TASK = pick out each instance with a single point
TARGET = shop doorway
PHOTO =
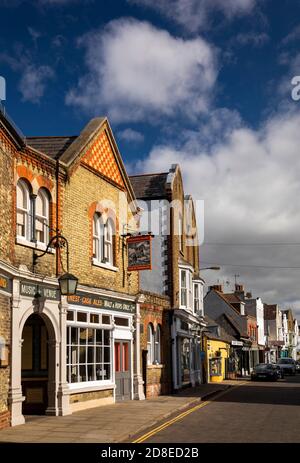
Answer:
(122, 370)
(35, 359)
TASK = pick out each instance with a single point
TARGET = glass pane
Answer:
(74, 354)
(183, 279)
(107, 354)
(106, 372)
(74, 335)
(125, 356)
(106, 338)
(90, 336)
(82, 336)
(90, 355)
(90, 370)
(99, 337)
(70, 315)
(94, 318)
(82, 354)
(81, 316)
(121, 321)
(99, 354)
(98, 372)
(74, 374)
(106, 319)
(82, 373)
(117, 357)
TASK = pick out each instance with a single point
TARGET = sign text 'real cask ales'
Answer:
(101, 302)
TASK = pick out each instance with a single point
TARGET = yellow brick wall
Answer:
(83, 189)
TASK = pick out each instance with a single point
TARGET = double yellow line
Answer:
(181, 416)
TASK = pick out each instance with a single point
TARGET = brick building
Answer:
(65, 354)
(170, 216)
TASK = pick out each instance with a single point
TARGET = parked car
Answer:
(288, 365)
(297, 366)
(265, 371)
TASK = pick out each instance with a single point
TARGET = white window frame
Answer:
(108, 242)
(157, 342)
(150, 344)
(44, 219)
(199, 286)
(92, 326)
(103, 248)
(25, 211)
(188, 289)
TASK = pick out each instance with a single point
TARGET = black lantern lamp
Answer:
(67, 284)
(67, 281)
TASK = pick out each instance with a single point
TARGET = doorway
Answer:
(122, 370)
(35, 366)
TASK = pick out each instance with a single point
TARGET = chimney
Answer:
(216, 288)
(240, 291)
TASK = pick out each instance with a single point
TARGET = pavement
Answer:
(110, 423)
(255, 412)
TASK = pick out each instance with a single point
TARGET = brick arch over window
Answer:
(107, 213)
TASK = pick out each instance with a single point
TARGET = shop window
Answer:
(88, 354)
(106, 319)
(82, 317)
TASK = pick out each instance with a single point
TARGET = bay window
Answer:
(198, 298)
(185, 288)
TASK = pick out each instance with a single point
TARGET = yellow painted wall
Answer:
(211, 348)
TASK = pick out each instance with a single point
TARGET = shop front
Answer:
(186, 349)
(69, 354)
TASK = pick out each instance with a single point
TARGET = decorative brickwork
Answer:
(100, 157)
(157, 377)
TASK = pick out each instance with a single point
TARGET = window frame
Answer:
(102, 241)
(150, 344)
(45, 219)
(26, 212)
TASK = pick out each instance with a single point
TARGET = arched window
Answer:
(108, 242)
(23, 210)
(150, 344)
(103, 240)
(98, 238)
(42, 216)
(158, 345)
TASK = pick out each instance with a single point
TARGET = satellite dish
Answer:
(2, 89)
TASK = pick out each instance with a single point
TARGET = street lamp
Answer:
(67, 282)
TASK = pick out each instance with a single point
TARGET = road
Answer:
(253, 412)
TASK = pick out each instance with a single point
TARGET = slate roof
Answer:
(149, 185)
(224, 336)
(54, 147)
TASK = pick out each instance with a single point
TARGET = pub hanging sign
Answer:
(139, 252)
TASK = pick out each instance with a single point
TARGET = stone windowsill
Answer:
(104, 266)
(30, 244)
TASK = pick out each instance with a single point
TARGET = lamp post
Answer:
(67, 281)
(211, 268)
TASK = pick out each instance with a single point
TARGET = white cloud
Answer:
(292, 36)
(136, 71)
(195, 14)
(33, 82)
(257, 39)
(251, 187)
(131, 136)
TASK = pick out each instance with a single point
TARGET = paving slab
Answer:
(109, 423)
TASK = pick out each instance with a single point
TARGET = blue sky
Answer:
(205, 83)
(44, 34)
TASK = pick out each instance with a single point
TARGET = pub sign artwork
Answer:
(139, 252)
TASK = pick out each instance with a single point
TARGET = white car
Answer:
(287, 365)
